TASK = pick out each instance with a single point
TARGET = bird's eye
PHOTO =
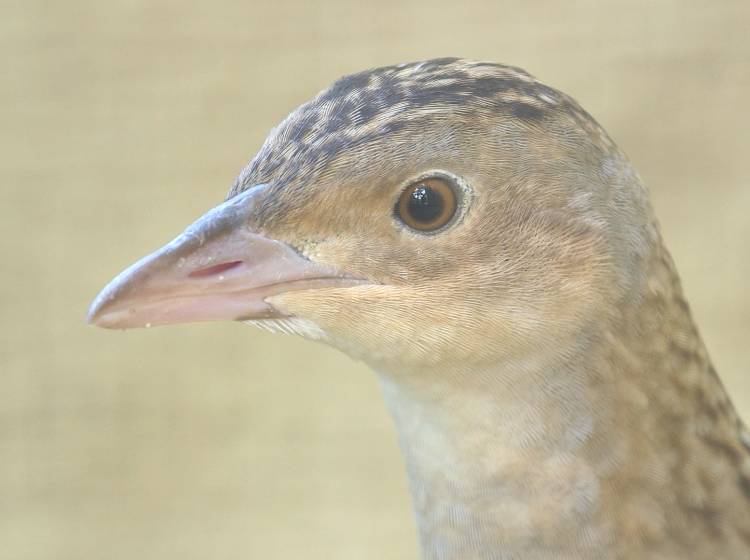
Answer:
(427, 205)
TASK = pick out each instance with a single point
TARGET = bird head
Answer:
(439, 212)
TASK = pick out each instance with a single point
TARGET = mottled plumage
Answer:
(552, 395)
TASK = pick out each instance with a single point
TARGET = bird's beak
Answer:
(218, 269)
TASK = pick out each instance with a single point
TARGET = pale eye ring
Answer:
(427, 204)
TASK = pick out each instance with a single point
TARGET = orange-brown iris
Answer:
(427, 205)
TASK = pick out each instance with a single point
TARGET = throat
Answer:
(499, 467)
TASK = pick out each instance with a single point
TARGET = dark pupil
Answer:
(425, 204)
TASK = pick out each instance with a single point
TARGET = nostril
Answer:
(215, 269)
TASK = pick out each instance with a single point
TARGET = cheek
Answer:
(355, 320)
(375, 257)
(393, 328)
(390, 256)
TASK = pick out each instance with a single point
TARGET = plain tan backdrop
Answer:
(121, 122)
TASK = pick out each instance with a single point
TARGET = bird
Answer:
(480, 241)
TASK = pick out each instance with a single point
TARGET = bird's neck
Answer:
(629, 439)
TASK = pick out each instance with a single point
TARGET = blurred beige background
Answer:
(123, 121)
